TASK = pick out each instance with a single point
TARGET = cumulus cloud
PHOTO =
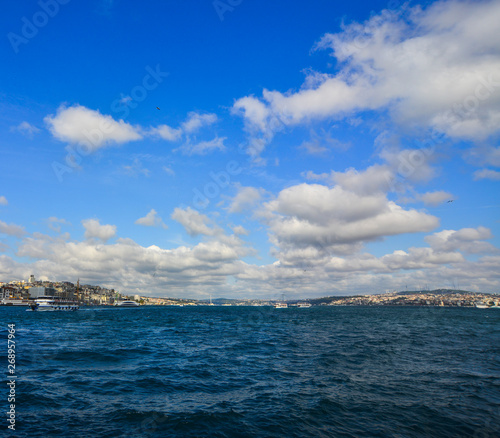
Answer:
(3, 200)
(94, 230)
(194, 222)
(130, 267)
(402, 168)
(166, 132)
(196, 121)
(80, 125)
(12, 229)
(468, 240)
(435, 67)
(89, 128)
(337, 219)
(246, 198)
(375, 179)
(205, 268)
(152, 219)
(419, 258)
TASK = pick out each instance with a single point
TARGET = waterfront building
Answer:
(41, 291)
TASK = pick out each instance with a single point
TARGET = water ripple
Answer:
(246, 372)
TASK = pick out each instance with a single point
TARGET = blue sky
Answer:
(306, 149)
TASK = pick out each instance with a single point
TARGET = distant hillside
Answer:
(331, 299)
(436, 292)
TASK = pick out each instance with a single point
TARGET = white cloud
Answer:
(130, 267)
(468, 240)
(203, 147)
(194, 222)
(254, 111)
(205, 268)
(89, 128)
(3, 200)
(26, 129)
(246, 198)
(12, 229)
(196, 121)
(93, 229)
(435, 67)
(401, 170)
(375, 179)
(493, 175)
(92, 130)
(151, 220)
(419, 258)
(435, 198)
(338, 220)
(166, 132)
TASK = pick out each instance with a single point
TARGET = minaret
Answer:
(78, 292)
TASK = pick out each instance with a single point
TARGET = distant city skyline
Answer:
(248, 149)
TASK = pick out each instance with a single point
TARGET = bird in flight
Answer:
(158, 108)
(451, 200)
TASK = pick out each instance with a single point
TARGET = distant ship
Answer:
(14, 302)
(127, 303)
(281, 304)
(303, 305)
(486, 306)
(48, 303)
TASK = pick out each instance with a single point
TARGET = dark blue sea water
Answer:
(255, 372)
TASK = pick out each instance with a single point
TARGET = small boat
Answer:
(281, 304)
(127, 303)
(47, 303)
(481, 305)
(303, 305)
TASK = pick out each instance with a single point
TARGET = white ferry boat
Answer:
(127, 303)
(303, 305)
(281, 306)
(15, 302)
(481, 305)
(47, 303)
(487, 306)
